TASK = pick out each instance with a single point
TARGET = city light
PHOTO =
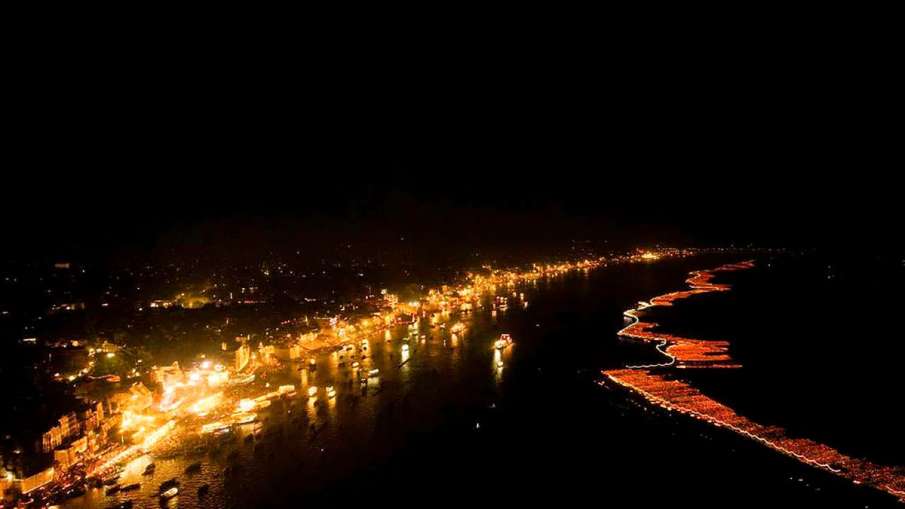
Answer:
(246, 405)
(215, 397)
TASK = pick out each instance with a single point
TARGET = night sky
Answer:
(775, 142)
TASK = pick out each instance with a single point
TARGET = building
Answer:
(27, 484)
(267, 355)
(64, 457)
(69, 426)
(169, 375)
(243, 356)
(136, 400)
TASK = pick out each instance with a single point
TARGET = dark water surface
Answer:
(821, 346)
(450, 426)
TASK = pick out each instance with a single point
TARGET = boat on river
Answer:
(170, 493)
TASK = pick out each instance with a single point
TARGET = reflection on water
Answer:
(340, 401)
(383, 388)
(497, 365)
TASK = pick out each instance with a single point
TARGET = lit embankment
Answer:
(657, 384)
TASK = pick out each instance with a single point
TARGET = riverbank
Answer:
(660, 386)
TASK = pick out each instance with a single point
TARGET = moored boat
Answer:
(504, 341)
(168, 484)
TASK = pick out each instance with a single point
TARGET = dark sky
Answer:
(685, 138)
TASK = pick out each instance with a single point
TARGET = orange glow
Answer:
(654, 383)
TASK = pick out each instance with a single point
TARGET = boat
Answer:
(112, 490)
(76, 491)
(193, 468)
(111, 481)
(170, 493)
(71, 493)
(149, 470)
(203, 490)
(168, 484)
(131, 487)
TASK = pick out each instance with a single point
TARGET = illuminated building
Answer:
(66, 456)
(243, 356)
(267, 354)
(27, 484)
(161, 304)
(169, 375)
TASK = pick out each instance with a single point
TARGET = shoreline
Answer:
(654, 383)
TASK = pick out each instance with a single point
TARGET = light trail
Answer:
(654, 383)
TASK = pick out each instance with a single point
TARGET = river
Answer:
(454, 419)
